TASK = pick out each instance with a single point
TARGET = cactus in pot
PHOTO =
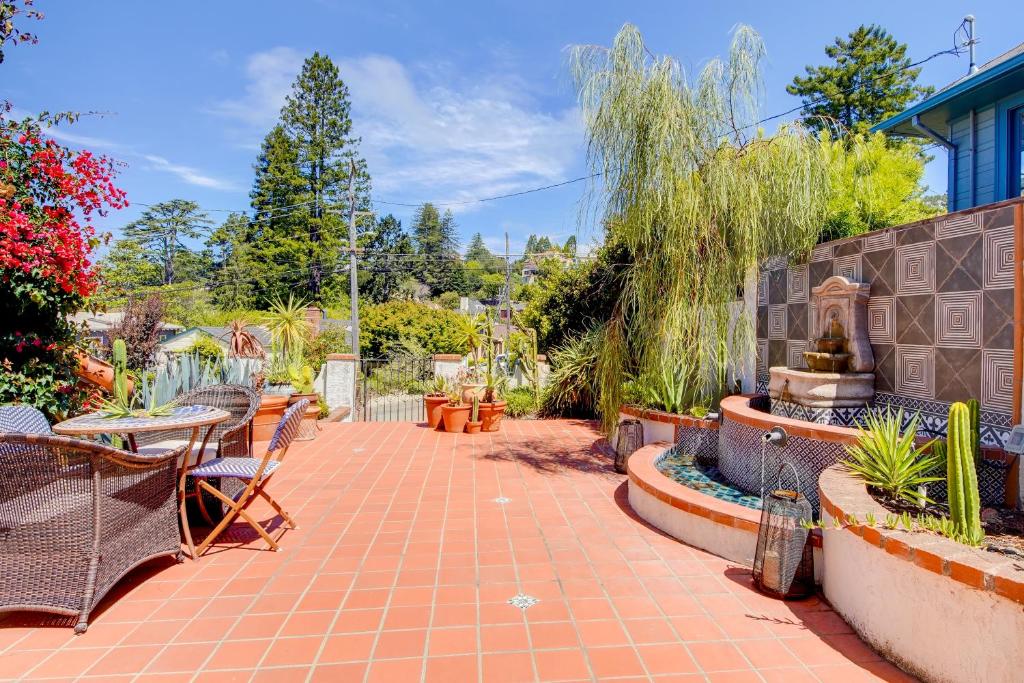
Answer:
(119, 359)
(961, 476)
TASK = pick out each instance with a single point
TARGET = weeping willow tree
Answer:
(699, 195)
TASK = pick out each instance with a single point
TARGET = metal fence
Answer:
(391, 389)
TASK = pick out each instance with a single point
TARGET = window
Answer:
(1016, 186)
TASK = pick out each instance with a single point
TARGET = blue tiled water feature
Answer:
(682, 468)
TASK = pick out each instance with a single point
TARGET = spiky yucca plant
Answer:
(886, 458)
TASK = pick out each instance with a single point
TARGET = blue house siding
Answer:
(971, 118)
(973, 169)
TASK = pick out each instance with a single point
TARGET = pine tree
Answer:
(437, 243)
(868, 80)
(300, 194)
(381, 277)
(232, 283)
(569, 248)
(161, 229)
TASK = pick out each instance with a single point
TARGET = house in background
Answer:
(979, 120)
(97, 326)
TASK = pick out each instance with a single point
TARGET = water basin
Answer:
(707, 479)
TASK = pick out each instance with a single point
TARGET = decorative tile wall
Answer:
(797, 466)
(940, 316)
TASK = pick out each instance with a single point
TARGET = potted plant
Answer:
(491, 407)
(455, 414)
(474, 424)
(434, 400)
(470, 383)
(302, 387)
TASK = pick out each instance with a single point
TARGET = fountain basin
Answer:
(821, 389)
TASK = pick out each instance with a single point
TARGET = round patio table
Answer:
(181, 417)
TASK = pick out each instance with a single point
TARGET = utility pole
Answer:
(353, 280)
(508, 292)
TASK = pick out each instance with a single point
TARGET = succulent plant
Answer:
(962, 478)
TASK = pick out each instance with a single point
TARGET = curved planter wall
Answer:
(941, 610)
(811, 449)
(660, 426)
(725, 529)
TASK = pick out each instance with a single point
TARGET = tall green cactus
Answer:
(961, 477)
(974, 408)
(119, 359)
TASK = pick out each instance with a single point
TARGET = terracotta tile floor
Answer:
(402, 567)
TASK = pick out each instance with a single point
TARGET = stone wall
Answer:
(940, 316)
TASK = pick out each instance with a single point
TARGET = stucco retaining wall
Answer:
(938, 609)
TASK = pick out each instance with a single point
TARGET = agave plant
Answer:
(886, 458)
(288, 326)
(243, 343)
(670, 390)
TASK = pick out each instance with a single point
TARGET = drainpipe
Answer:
(916, 124)
(970, 157)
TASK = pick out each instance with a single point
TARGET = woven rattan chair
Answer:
(233, 437)
(24, 420)
(255, 474)
(76, 516)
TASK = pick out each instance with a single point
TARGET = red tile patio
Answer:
(402, 566)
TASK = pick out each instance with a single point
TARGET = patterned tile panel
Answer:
(915, 268)
(958, 319)
(998, 259)
(822, 252)
(879, 241)
(797, 289)
(795, 353)
(762, 288)
(915, 371)
(848, 266)
(954, 226)
(777, 322)
(882, 320)
(997, 379)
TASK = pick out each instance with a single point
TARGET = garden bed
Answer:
(661, 426)
(921, 599)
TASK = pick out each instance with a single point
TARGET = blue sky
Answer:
(453, 100)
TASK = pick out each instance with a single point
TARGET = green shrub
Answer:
(449, 301)
(521, 402)
(886, 458)
(389, 326)
(570, 391)
(330, 340)
(207, 348)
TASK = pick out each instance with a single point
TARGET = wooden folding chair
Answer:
(255, 474)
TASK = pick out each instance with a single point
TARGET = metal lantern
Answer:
(784, 563)
(628, 438)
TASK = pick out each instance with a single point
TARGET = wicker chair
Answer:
(76, 516)
(24, 420)
(231, 438)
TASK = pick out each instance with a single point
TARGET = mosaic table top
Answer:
(181, 417)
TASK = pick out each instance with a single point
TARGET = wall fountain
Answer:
(838, 385)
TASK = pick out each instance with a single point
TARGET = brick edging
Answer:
(341, 356)
(667, 418)
(447, 357)
(842, 495)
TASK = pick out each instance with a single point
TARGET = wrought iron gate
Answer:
(391, 389)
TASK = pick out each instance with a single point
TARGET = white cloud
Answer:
(436, 141)
(188, 174)
(428, 138)
(269, 75)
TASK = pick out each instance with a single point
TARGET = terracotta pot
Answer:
(268, 415)
(308, 427)
(473, 427)
(491, 414)
(471, 390)
(455, 418)
(433, 405)
(98, 372)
